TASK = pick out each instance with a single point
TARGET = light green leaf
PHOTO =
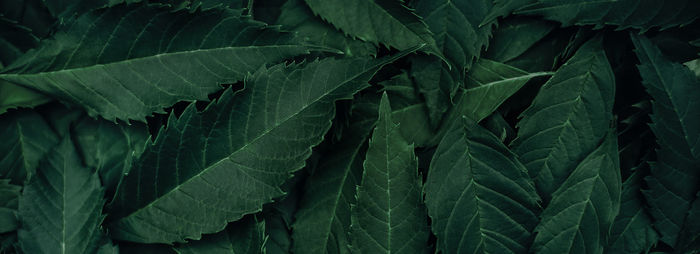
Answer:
(110, 148)
(323, 218)
(385, 22)
(568, 118)
(489, 84)
(244, 236)
(641, 14)
(14, 96)
(61, 207)
(172, 56)
(479, 197)
(26, 139)
(673, 183)
(296, 16)
(582, 210)
(632, 231)
(230, 159)
(389, 216)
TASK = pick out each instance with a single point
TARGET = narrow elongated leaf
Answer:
(61, 206)
(516, 35)
(642, 14)
(323, 219)
(489, 84)
(632, 231)
(26, 139)
(296, 16)
(172, 56)
(673, 183)
(568, 118)
(110, 148)
(389, 216)
(230, 159)
(380, 22)
(244, 236)
(479, 197)
(582, 210)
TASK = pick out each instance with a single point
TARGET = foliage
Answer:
(358, 126)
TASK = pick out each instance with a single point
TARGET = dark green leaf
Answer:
(230, 159)
(172, 56)
(389, 216)
(478, 194)
(632, 231)
(61, 207)
(579, 217)
(673, 183)
(244, 236)
(568, 119)
(26, 139)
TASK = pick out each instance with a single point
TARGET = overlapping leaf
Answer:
(582, 210)
(380, 22)
(389, 216)
(296, 16)
(244, 236)
(230, 159)
(9, 194)
(323, 218)
(61, 206)
(632, 231)
(673, 183)
(479, 196)
(568, 119)
(100, 62)
(642, 14)
(27, 137)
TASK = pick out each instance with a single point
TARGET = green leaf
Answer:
(516, 35)
(479, 197)
(61, 207)
(172, 56)
(673, 183)
(296, 16)
(244, 236)
(457, 28)
(489, 84)
(407, 108)
(9, 194)
(641, 14)
(502, 8)
(582, 210)
(14, 41)
(568, 118)
(14, 96)
(632, 231)
(26, 139)
(323, 218)
(389, 216)
(110, 148)
(436, 83)
(230, 159)
(380, 22)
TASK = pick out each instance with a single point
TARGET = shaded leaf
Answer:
(14, 96)
(641, 14)
(26, 139)
(582, 210)
(244, 236)
(61, 207)
(9, 194)
(567, 119)
(296, 16)
(673, 183)
(516, 35)
(389, 216)
(479, 197)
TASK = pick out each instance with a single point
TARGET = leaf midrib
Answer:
(242, 148)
